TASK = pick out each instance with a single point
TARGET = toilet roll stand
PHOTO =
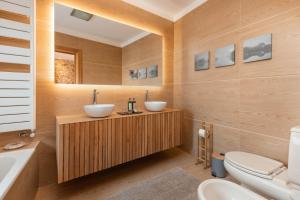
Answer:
(205, 145)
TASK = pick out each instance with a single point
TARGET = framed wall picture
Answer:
(259, 48)
(153, 71)
(225, 56)
(134, 74)
(143, 73)
(201, 61)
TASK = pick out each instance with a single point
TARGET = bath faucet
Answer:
(95, 96)
(146, 95)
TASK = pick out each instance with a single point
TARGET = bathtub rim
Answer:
(12, 175)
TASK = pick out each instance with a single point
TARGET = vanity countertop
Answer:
(68, 119)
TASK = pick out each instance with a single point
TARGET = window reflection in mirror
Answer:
(94, 50)
(68, 65)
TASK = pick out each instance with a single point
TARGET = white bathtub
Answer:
(11, 165)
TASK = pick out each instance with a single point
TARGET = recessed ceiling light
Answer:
(81, 15)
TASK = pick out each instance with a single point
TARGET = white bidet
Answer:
(217, 189)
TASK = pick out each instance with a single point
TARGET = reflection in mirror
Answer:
(90, 49)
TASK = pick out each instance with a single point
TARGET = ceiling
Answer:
(97, 29)
(168, 9)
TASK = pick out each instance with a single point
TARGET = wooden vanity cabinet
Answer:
(88, 145)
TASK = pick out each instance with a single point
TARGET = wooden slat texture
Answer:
(14, 17)
(60, 154)
(81, 149)
(104, 144)
(72, 152)
(66, 153)
(88, 147)
(11, 67)
(100, 147)
(77, 151)
(91, 146)
(96, 146)
(14, 42)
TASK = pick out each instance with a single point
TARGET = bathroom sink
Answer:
(99, 110)
(155, 105)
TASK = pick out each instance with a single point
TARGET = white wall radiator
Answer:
(17, 65)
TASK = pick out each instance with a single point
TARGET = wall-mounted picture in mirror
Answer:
(153, 71)
(143, 73)
(259, 48)
(225, 56)
(201, 61)
(104, 51)
(134, 74)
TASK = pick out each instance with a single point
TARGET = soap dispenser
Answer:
(130, 106)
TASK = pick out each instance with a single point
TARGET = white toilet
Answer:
(268, 176)
(217, 189)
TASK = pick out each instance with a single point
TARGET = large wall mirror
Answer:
(91, 49)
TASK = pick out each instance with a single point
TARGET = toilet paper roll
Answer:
(202, 132)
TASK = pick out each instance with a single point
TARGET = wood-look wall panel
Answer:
(9, 67)
(4, 14)
(81, 149)
(124, 139)
(143, 53)
(60, 151)
(66, 152)
(104, 147)
(14, 42)
(91, 146)
(77, 151)
(96, 147)
(102, 63)
(149, 135)
(118, 142)
(72, 151)
(109, 143)
(113, 143)
(258, 98)
(86, 148)
(100, 145)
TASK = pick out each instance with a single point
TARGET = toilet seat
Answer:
(254, 164)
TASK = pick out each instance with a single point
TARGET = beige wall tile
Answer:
(272, 147)
(270, 106)
(247, 103)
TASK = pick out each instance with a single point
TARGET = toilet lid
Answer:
(254, 163)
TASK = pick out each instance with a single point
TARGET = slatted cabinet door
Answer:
(88, 147)
(17, 54)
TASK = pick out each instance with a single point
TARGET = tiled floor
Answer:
(103, 184)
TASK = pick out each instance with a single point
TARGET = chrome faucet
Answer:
(146, 95)
(95, 96)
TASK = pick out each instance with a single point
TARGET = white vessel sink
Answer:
(155, 106)
(99, 110)
(217, 189)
